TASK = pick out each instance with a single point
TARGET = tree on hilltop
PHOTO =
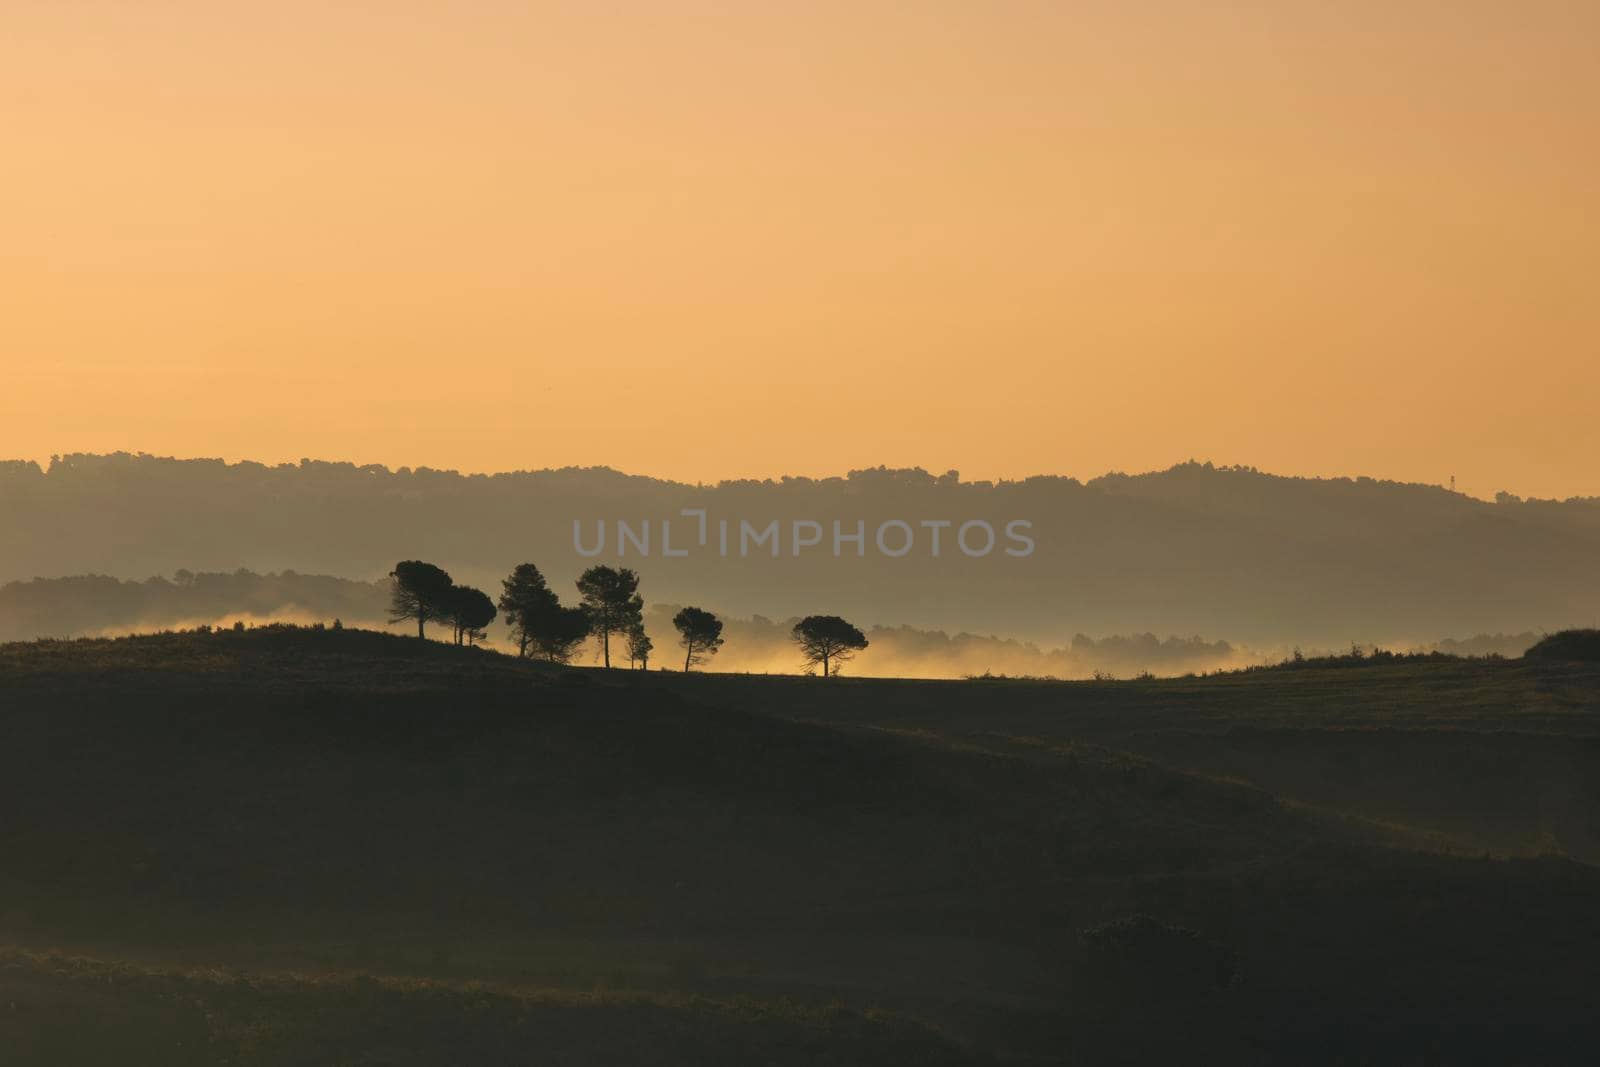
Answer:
(471, 611)
(827, 640)
(611, 597)
(700, 633)
(639, 646)
(541, 625)
(560, 633)
(419, 591)
(528, 603)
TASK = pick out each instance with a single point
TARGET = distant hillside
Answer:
(1194, 549)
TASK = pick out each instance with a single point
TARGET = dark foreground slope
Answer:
(338, 803)
(1499, 755)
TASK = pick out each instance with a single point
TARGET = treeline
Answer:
(609, 605)
(1483, 647)
(1358, 657)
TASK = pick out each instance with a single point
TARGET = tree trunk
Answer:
(605, 646)
(688, 654)
(419, 627)
(824, 665)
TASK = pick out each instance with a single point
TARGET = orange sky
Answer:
(748, 238)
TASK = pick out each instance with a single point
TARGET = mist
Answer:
(101, 606)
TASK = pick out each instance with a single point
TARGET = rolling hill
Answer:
(981, 870)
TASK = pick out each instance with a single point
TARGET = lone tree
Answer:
(828, 640)
(527, 602)
(701, 634)
(419, 591)
(611, 597)
(639, 646)
(471, 611)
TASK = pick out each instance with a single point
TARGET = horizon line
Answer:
(57, 458)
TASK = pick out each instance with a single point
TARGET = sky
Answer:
(709, 240)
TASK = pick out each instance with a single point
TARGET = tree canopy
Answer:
(639, 646)
(700, 633)
(541, 625)
(611, 597)
(421, 591)
(527, 602)
(471, 611)
(559, 634)
(827, 640)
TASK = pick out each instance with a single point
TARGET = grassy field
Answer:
(286, 846)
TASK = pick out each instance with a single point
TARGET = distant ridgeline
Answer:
(1196, 549)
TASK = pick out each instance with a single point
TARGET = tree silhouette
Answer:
(701, 634)
(611, 597)
(420, 591)
(471, 611)
(639, 646)
(828, 640)
(543, 628)
(559, 634)
(528, 604)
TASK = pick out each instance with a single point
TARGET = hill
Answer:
(281, 802)
(1226, 553)
(1501, 755)
(1568, 645)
